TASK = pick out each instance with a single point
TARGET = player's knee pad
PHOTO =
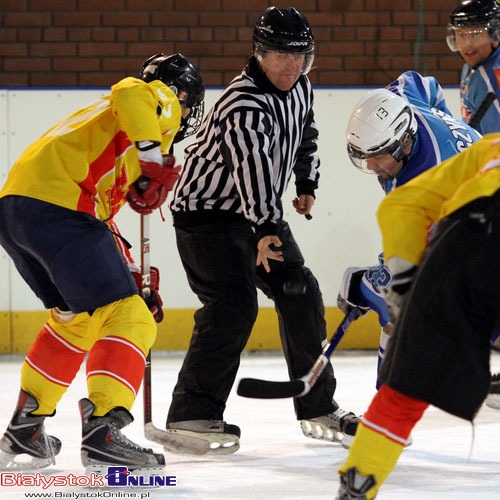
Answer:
(128, 318)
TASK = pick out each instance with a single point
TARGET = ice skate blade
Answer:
(215, 443)
(315, 430)
(186, 445)
(23, 462)
(493, 401)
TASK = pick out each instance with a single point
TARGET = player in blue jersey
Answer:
(397, 133)
(474, 32)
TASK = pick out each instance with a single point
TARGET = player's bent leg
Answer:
(115, 365)
(43, 375)
(380, 439)
(44, 380)
(25, 445)
(115, 369)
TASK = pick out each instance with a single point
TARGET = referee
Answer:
(228, 217)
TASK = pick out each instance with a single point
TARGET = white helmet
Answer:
(382, 123)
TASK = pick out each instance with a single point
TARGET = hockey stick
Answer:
(149, 428)
(476, 118)
(266, 389)
(183, 444)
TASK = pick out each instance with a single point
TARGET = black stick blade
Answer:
(266, 389)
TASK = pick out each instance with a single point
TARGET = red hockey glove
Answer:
(153, 301)
(151, 189)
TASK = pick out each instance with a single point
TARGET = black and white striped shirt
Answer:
(254, 138)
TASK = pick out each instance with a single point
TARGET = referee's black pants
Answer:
(219, 260)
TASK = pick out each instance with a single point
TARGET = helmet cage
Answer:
(179, 75)
(191, 123)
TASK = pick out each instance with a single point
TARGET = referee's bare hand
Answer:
(265, 252)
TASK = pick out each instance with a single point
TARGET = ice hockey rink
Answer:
(449, 459)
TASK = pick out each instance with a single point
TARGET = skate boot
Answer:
(24, 445)
(493, 397)
(103, 444)
(221, 438)
(336, 427)
(354, 486)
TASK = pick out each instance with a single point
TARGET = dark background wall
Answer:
(94, 43)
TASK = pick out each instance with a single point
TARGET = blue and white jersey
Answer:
(439, 134)
(475, 83)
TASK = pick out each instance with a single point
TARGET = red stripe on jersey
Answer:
(100, 167)
(118, 358)
(54, 358)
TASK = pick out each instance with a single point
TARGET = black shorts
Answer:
(69, 259)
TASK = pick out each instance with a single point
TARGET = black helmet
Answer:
(474, 13)
(284, 30)
(179, 74)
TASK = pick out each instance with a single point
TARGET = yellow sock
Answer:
(372, 453)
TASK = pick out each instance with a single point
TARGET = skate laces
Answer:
(122, 439)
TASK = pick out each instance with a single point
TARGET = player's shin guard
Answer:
(382, 435)
(51, 365)
(115, 365)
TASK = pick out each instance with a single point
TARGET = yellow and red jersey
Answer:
(406, 214)
(87, 161)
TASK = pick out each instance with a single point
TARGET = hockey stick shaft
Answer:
(476, 118)
(266, 389)
(145, 291)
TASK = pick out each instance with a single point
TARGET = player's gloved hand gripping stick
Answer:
(267, 389)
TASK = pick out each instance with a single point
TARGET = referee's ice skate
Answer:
(222, 438)
(338, 426)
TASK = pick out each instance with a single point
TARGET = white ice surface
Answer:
(448, 459)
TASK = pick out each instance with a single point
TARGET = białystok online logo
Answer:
(116, 476)
(121, 476)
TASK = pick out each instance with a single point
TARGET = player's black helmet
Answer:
(178, 73)
(284, 30)
(474, 13)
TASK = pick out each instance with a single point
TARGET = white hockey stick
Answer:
(267, 389)
(184, 444)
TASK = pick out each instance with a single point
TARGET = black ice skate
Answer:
(221, 438)
(493, 397)
(104, 445)
(338, 426)
(354, 486)
(25, 445)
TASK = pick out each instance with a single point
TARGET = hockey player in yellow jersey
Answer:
(56, 211)
(445, 222)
